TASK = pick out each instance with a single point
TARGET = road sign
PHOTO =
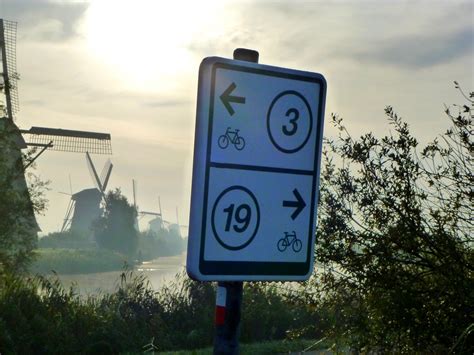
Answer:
(255, 183)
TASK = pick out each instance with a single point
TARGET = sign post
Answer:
(255, 182)
(229, 294)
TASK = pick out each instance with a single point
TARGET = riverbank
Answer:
(77, 261)
(92, 281)
(158, 273)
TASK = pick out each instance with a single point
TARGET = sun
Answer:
(146, 42)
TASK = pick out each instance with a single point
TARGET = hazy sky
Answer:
(130, 68)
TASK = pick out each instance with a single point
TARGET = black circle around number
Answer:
(277, 146)
(252, 196)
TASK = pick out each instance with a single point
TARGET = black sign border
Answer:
(253, 268)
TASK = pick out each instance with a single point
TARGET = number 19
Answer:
(242, 216)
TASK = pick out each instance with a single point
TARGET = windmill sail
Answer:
(66, 140)
(93, 172)
(105, 175)
(9, 73)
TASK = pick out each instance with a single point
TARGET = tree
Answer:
(395, 236)
(18, 200)
(115, 229)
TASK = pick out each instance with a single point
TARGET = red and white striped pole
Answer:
(221, 298)
(228, 313)
(229, 294)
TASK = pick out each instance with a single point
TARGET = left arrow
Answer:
(299, 204)
(227, 98)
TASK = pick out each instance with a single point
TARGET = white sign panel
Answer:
(256, 172)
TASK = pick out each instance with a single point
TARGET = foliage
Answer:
(18, 201)
(396, 236)
(115, 229)
(155, 244)
(272, 311)
(69, 239)
(37, 315)
(76, 261)
(265, 347)
(188, 306)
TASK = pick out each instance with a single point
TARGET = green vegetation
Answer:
(395, 266)
(37, 315)
(76, 261)
(152, 245)
(266, 347)
(115, 230)
(67, 239)
(396, 237)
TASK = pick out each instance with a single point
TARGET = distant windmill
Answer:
(158, 223)
(176, 227)
(84, 207)
(140, 214)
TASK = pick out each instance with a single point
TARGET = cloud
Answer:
(165, 103)
(43, 20)
(417, 51)
(399, 34)
(35, 102)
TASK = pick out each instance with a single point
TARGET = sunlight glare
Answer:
(147, 41)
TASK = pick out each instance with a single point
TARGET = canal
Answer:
(158, 272)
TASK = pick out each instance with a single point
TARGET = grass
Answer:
(266, 347)
(38, 315)
(76, 261)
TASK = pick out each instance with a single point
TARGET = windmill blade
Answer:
(105, 175)
(104, 171)
(9, 74)
(93, 172)
(70, 184)
(149, 213)
(134, 186)
(66, 140)
(67, 217)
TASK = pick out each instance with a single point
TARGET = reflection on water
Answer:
(158, 272)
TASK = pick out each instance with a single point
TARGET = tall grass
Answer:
(39, 315)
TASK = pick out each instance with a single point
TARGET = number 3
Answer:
(294, 125)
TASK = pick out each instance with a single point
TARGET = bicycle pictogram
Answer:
(232, 137)
(289, 239)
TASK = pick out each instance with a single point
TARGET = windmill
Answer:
(13, 138)
(58, 139)
(84, 207)
(176, 227)
(141, 214)
(159, 223)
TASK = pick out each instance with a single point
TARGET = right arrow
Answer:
(299, 204)
(227, 98)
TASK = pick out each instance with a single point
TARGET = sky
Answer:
(130, 68)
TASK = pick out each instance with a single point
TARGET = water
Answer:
(158, 272)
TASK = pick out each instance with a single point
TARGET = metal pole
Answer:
(229, 294)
